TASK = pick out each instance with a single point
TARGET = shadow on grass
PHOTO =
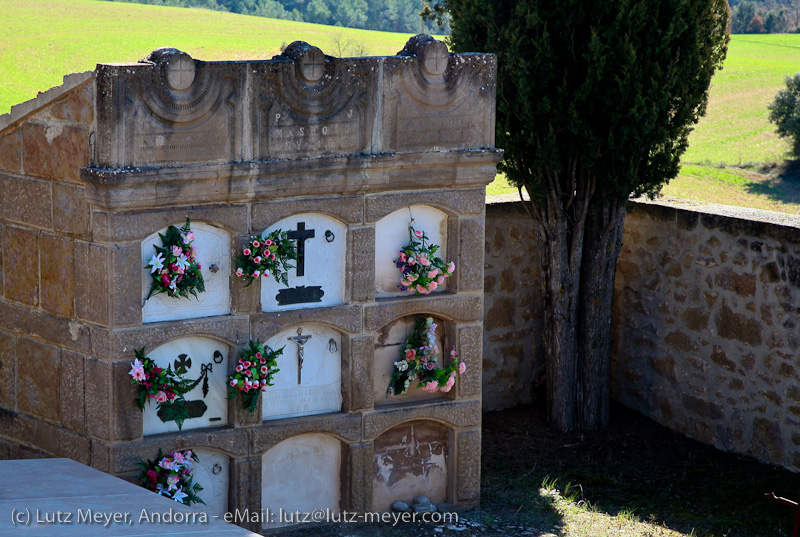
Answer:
(781, 182)
(635, 468)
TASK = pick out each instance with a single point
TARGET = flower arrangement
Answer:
(267, 255)
(419, 362)
(165, 386)
(422, 271)
(171, 476)
(174, 268)
(254, 373)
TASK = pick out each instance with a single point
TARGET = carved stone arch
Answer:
(391, 233)
(212, 244)
(409, 460)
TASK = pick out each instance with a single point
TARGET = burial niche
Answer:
(390, 340)
(211, 472)
(300, 475)
(212, 245)
(205, 362)
(410, 460)
(310, 376)
(318, 277)
(391, 234)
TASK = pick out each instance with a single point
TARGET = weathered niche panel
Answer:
(391, 234)
(205, 361)
(410, 460)
(389, 341)
(301, 474)
(213, 256)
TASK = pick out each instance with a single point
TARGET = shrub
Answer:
(784, 112)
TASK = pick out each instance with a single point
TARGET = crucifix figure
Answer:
(300, 235)
(300, 339)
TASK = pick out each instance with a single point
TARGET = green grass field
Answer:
(42, 40)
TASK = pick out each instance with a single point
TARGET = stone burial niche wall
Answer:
(341, 154)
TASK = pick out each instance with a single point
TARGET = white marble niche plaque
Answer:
(391, 234)
(211, 472)
(213, 255)
(301, 474)
(202, 357)
(318, 277)
(316, 388)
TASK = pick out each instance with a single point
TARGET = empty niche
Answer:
(206, 363)
(313, 388)
(211, 472)
(213, 256)
(410, 460)
(318, 277)
(389, 341)
(300, 475)
(391, 234)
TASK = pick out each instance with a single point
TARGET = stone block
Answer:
(361, 265)
(462, 308)
(235, 331)
(77, 106)
(98, 399)
(732, 325)
(125, 456)
(460, 202)
(11, 151)
(344, 318)
(468, 465)
(360, 394)
(92, 269)
(57, 269)
(348, 209)
(340, 425)
(126, 285)
(72, 391)
(71, 212)
(359, 474)
(470, 349)
(21, 265)
(38, 371)
(48, 327)
(136, 225)
(26, 200)
(54, 151)
(8, 371)
(456, 414)
(101, 456)
(74, 446)
(469, 267)
(245, 492)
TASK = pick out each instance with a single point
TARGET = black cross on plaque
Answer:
(300, 339)
(182, 364)
(300, 236)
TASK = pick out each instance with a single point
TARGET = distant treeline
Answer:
(765, 17)
(386, 15)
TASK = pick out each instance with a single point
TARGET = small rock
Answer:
(400, 507)
(444, 508)
(422, 500)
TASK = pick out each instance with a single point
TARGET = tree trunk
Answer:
(580, 236)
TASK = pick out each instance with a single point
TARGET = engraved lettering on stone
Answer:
(300, 339)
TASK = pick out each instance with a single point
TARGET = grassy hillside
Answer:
(42, 40)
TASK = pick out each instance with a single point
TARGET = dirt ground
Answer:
(636, 478)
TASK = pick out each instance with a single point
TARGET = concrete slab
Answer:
(62, 497)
